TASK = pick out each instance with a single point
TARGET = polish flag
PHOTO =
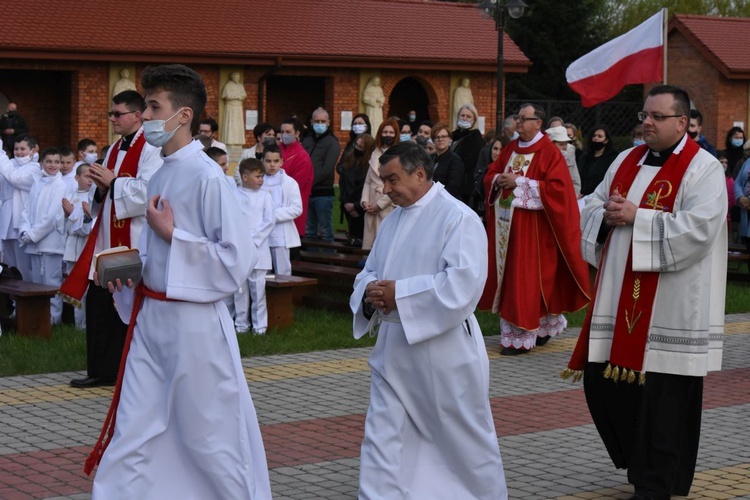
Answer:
(635, 57)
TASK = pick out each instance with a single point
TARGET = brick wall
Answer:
(733, 98)
(61, 101)
(65, 101)
(721, 100)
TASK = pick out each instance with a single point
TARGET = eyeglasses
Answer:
(118, 114)
(657, 117)
(442, 137)
(524, 119)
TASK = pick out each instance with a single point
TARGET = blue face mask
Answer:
(320, 128)
(288, 139)
(638, 142)
(737, 143)
(154, 132)
(515, 136)
(404, 137)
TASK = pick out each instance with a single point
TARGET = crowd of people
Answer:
(528, 212)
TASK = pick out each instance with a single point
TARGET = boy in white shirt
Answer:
(17, 178)
(220, 157)
(68, 167)
(77, 227)
(287, 206)
(258, 216)
(87, 152)
(39, 232)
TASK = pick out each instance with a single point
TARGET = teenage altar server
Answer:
(429, 431)
(185, 426)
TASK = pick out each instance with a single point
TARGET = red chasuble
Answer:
(544, 271)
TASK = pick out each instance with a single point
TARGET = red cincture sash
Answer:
(77, 281)
(108, 429)
(638, 291)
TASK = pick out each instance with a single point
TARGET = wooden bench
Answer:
(335, 258)
(32, 305)
(280, 298)
(333, 245)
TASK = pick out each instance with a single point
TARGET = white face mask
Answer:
(464, 124)
(23, 160)
(154, 133)
(359, 128)
(90, 158)
(288, 139)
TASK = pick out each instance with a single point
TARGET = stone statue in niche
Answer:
(124, 83)
(461, 96)
(373, 98)
(233, 124)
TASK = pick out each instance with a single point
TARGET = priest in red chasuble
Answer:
(536, 272)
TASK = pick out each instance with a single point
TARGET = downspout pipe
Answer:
(262, 88)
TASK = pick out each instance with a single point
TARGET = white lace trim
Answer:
(526, 194)
(518, 338)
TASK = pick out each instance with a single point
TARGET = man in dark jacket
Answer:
(324, 149)
(12, 125)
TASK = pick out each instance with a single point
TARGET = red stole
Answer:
(77, 281)
(634, 308)
(108, 429)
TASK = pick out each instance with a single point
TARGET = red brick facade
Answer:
(722, 100)
(64, 101)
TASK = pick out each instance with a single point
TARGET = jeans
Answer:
(320, 218)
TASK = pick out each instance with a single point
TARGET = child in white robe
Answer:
(68, 167)
(38, 232)
(77, 227)
(258, 216)
(18, 176)
(222, 159)
(287, 206)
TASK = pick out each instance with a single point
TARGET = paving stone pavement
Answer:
(311, 409)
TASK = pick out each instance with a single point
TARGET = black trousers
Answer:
(653, 430)
(105, 334)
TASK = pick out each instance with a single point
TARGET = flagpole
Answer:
(664, 43)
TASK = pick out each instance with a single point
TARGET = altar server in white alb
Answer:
(40, 229)
(656, 227)
(429, 431)
(185, 426)
(76, 214)
(16, 178)
(258, 218)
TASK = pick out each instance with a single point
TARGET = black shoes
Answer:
(540, 341)
(83, 383)
(512, 351)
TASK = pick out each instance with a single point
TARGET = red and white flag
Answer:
(635, 57)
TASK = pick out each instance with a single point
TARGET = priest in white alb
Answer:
(429, 431)
(656, 229)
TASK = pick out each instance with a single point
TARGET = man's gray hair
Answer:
(411, 156)
(320, 111)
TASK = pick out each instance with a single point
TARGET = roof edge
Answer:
(272, 60)
(676, 24)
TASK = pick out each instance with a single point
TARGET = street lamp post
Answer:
(515, 10)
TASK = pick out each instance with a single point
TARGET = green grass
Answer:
(313, 330)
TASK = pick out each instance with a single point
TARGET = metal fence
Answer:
(619, 117)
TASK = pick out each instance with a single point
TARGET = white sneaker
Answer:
(261, 331)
